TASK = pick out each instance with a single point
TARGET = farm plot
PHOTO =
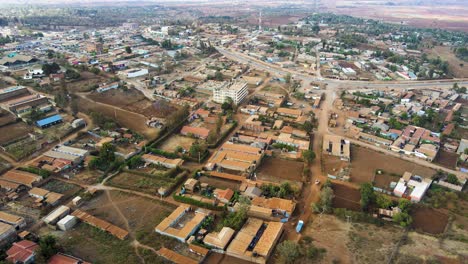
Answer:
(6, 117)
(131, 120)
(429, 220)
(12, 132)
(346, 197)
(365, 162)
(145, 182)
(220, 183)
(447, 159)
(67, 189)
(87, 83)
(279, 170)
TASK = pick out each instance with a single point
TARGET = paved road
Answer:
(272, 68)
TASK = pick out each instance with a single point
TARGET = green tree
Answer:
(47, 247)
(404, 205)
(197, 149)
(308, 156)
(367, 195)
(403, 219)
(308, 126)
(218, 76)
(326, 200)
(288, 251)
(383, 201)
(452, 178)
(287, 78)
(128, 49)
(50, 68)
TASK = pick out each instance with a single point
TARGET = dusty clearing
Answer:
(447, 159)
(125, 118)
(220, 183)
(365, 162)
(87, 83)
(346, 197)
(352, 243)
(14, 131)
(6, 117)
(175, 141)
(134, 101)
(274, 169)
(429, 220)
(454, 63)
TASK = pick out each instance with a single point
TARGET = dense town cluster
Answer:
(221, 142)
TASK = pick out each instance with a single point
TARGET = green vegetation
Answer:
(106, 161)
(188, 200)
(309, 156)
(326, 199)
(303, 252)
(47, 248)
(235, 220)
(43, 173)
(283, 191)
(50, 68)
(403, 219)
(462, 53)
(367, 195)
(283, 146)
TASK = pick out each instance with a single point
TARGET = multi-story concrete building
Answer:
(237, 91)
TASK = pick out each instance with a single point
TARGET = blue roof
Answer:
(49, 120)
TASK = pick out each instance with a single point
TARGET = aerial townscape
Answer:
(191, 131)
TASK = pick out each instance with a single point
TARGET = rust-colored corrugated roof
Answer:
(227, 176)
(102, 224)
(175, 257)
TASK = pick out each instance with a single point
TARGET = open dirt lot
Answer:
(274, 169)
(137, 215)
(174, 141)
(134, 101)
(429, 220)
(383, 180)
(420, 248)
(454, 63)
(220, 183)
(365, 162)
(11, 132)
(346, 197)
(86, 83)
(446, 159)
(134, 121)
(148, 184)
(6, 117)
(354, 242)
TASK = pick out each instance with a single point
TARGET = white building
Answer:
(412, 187)
(237, 91)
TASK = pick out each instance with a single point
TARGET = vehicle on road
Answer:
(299, 226)
(317, 182)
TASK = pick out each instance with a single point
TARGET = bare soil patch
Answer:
(11, 132)
(365, 162)
(220, 183)
(446, 159)
(429, 220)
(272, 169)
(346, 197)
(174, 141)
(127, 119)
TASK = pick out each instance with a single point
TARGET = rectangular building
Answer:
(236, 91)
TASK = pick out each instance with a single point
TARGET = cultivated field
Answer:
(131, 120)
(446, 159)
(87, 82)
(11, 132)
(346, 197)
(133, 101)
(220, 183)
(429, 220)
(365, 162)
(279, 170)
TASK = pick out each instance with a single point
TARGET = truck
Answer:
(299, 226)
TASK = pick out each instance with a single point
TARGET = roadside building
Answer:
(53, 217)
(236, 157)
(219, 239)
(162, 161)
(61, 258)
(337, 146)
(412, 187)
(22, 252)
(237, 91)
(17, 222)
(198, 132)
(181, 223)
(256, 240)
(7, 233)
(49, 121)
(288, 112)
(21, 178)
(223, 195)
